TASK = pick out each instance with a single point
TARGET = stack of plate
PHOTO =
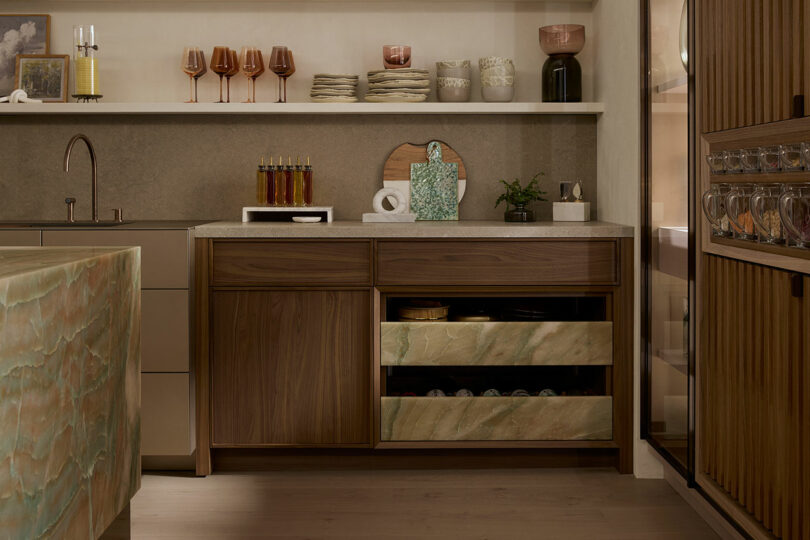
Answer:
(334, 88)
(403, 84)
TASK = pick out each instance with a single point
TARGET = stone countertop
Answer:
(17, 261)
(421, 229)
(70, 381)
(135, 225)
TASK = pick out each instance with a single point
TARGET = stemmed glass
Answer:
(231, 72)
(252, 65)
(220, 64)
(281, 63)
(193, 65)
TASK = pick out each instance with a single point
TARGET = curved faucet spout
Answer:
(92, 151)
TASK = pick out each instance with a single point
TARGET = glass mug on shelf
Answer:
(750, 160)
(794, 209)
(715, 161)
(733, 161)
(714, 208)
(769, 159)
(790, 157)
(765, 213)
(738, 209)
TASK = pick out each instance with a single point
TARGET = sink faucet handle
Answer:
(119, 214)
(70, 201)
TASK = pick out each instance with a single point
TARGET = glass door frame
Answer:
(688, 471)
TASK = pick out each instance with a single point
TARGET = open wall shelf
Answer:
(301, 108)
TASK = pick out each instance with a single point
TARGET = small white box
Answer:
(572, 211)
(285, 213)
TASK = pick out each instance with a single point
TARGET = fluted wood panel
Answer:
(755, 396)
(752, 61)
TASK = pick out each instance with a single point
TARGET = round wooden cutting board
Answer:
(397, 169)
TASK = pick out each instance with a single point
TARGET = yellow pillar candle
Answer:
(86, 76)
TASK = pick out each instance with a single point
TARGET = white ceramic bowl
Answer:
(490, 61)
(498, 93)
(493, 81)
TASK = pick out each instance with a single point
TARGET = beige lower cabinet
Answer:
(20, 238)
(167, 426)
(166, 415)
(164, 331)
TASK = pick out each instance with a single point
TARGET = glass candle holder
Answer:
(85, 62)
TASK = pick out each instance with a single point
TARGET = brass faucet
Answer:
(95, 168)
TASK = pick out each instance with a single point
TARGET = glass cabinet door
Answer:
(665, 248)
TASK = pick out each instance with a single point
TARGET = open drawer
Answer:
(496, 343)
(559, 418)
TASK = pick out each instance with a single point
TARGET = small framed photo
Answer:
(21, 34)
(43, 76)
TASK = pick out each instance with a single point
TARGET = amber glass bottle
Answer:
(298, 183)
(307, 184)
(270, 173)
(261, 185)
(279, 183)
(288, 183)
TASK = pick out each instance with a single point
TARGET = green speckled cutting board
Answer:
(434, 187)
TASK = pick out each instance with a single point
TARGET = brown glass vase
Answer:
(518, 214)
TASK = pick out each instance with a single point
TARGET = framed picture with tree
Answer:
(43, 76)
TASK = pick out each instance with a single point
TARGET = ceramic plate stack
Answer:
(334, 88)
(398, 85)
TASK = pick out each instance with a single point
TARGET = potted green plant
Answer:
(518, 199)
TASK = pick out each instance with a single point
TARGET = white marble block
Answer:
(572, 211)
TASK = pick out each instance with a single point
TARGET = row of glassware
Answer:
(226, 63)
(761, 159)
(768, 213)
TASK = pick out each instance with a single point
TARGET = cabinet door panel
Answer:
(164, 331)
(290, 368)
(754, 401)
(165, 415)
(19, 238)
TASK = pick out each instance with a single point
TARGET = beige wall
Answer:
(141, 42)
(174, 167)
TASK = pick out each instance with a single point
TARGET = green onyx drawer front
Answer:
(496, 343)
(559, 418)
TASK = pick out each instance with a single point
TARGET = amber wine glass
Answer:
(191, 66)
(220, 64)
(252, 64)
(280, 65)
(203, 71)
(233, 71)
(289, 72)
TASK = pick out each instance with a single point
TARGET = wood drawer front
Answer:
(496, 343)
(291, 263)
(485, 262)
(19, 238)
(496, 418)
(164, 254)
(164, 331)
(165, 414)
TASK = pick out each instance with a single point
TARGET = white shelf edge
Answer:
(300, 108)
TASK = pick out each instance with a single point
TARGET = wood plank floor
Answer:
(472, 504)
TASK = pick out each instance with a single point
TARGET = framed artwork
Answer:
(43, 76)
(21, 34)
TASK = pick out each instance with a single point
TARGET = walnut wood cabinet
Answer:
(289, 344)
(290, 367)
(754, 394)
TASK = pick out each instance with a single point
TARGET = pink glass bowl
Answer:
(396, 56)
(562, 38)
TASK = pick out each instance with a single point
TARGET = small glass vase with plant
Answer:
(519, 198)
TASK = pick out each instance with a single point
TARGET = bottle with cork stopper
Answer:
(298, 183)
(261, 184)
(307, 184)
(279, 183)
(269, 183)
(288, 183)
